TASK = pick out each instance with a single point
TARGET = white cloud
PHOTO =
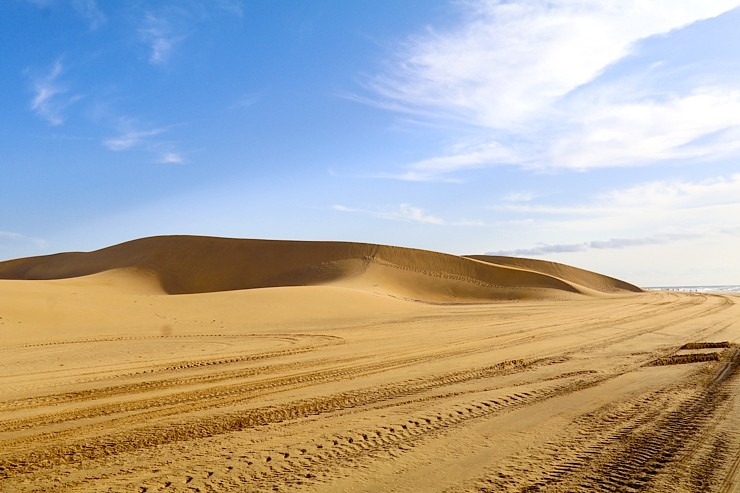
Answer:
(131, 138)
(510, 61)
(645, 199)
(10, 237)
(49, 98)
(676, 194)
(404, 212)
(408, 213)
(610, 244)
(157, 33)
(651, 213)
(530, 72)
(624, 133)
(168, 24)
(553, 209)
(171, 157)
(474, 157)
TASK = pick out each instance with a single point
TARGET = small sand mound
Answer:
(196, 264)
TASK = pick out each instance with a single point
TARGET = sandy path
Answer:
(204, 393)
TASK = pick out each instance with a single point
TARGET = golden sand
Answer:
(207, 364)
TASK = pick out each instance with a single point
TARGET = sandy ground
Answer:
(108, 384)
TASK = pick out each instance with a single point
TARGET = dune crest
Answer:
(197, 264)
(574, 275)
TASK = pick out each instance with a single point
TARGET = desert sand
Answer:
(179, 364)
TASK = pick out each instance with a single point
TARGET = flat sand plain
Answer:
(109, 383)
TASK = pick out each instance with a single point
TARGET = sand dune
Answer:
(309, 367)
(191, 264)
(574, 275)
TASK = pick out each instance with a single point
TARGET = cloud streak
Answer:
(407, 213)
(645, 199)
(404, 212)
(133, 137)
(472, 157)
(650, 213)
(158, 34)
(537, 73)
(610, 244)
(10, 237)
(677, 194)
(171, 157)
(50, 97)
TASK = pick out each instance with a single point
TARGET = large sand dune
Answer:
(308, 367)
(191, 264)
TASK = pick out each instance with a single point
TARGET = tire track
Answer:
(391, 439)
(196, 428)
(548, 332)
(208, 398)
(218, 396)
(99, 392)
(303, 463)
(174, 418)
(629, 446)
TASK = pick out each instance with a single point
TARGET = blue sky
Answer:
(601, 134)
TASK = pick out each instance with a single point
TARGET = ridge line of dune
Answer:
(197, 264)
(442, 275)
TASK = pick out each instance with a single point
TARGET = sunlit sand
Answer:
(208, 364)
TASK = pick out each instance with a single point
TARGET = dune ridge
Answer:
(198, 264)
(574, 275)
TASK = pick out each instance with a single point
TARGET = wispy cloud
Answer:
(132, 138)
(90, 10)
(703, 124)
(644, 199)
(10, 237)
(168, 24)
(536, 73)
(404, 212)
(677, 194)
(610, 244)
(471, 157)
(157, 32)
(171, 157)
(407, 213)
(650, 213)
(50, 97)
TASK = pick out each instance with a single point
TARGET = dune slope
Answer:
(195, 264)
(574, 275)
